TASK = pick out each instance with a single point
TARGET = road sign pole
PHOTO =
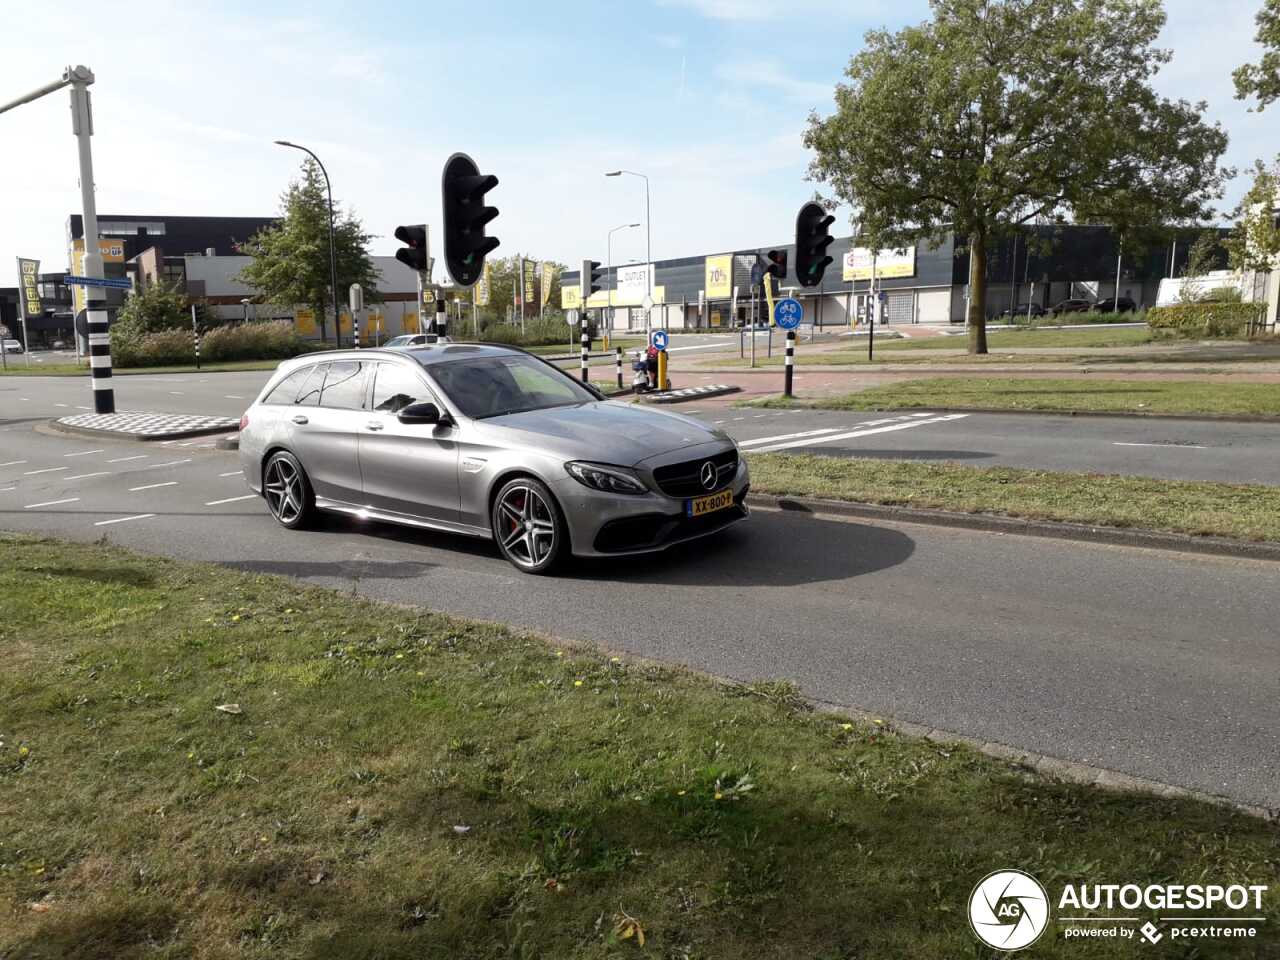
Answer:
(586, 349)
(791, 353)
(104, 397)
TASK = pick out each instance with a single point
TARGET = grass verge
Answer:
(1052, 395)
(393, 783)
(1241, 511)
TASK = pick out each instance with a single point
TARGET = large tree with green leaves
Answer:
(291, 257)
(502, 285)
(1262, 79)
(998, 112)
(1254, 243)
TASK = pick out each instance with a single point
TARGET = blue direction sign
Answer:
(111, 283)
(787, 313)
(659, 339)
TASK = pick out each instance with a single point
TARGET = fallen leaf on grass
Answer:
(39, 907)
(316, 879)
(627, 927)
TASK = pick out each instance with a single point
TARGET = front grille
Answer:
(681, 480)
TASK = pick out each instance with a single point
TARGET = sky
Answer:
(709, 98)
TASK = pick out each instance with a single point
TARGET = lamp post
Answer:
(244, 303)
(613, 279)
(333, 261)
(648, 237)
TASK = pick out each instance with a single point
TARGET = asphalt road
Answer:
(1156, 447)
(1155, 664)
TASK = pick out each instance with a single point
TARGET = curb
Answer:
(1053, 530)
(688, 394)
(1052, 768)
(57, 427)
(228, 443)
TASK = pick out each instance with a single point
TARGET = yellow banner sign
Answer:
(888, 264)
(483, 288)
(112, 252)
(548, 278)
(306, 319)
(719, 277)
(28, 276)
(570, 296)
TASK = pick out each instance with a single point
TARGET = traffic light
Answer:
(465, 245)
(813, 236)
(777, 264)
(414, 255)
(590, 279)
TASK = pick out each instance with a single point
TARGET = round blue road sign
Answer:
(787, 313)
(659, 339)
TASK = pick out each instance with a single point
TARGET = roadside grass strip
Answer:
(197, 761)
(1241, 511)
(1086, 394)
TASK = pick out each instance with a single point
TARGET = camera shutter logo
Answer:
(1008, 910)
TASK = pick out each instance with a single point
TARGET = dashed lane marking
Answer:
(167, 463)
(232, 396)
(216, 503)
(1170, 446)
(231, 473)
(136, 516)
(82, 453)
(788, 436)
(50, 503)
(32, 473)
(12, 463)
(141, 456)
(82, 476)
(854, 434)
(152, 486)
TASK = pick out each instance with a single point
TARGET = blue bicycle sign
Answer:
(787, 313)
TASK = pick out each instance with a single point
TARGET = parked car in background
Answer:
(1111, 305)
(1072, 305)
(1025, 309)
(415, 340)
(59, 345)
(12, 346)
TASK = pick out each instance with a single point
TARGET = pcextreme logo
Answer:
(1010, 910)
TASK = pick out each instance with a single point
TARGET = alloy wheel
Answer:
(528, 526)
(284, 491)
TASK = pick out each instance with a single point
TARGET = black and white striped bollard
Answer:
(791, 359)
(195, 334)
(586, 349)
(104, 394)
(619, 362)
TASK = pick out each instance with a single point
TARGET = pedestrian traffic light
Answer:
(465, 245)
(590, 278)
(777, 264)
(813, 236)
(414, 255)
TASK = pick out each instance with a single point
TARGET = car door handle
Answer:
(374, 425)
(299, 418)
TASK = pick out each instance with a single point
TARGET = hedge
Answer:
(1206, 319)
(268, 340)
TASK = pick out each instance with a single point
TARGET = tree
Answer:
(996, 112)
(1254, 242)
(161, 306)
(1203, 257)
(1262, 79)
(502, 282)
(291, 257)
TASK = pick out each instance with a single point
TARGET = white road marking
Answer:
(81, 476)
(170, 463)
(141, 456)
(50, 503)
(788, 436)
(215, 503)
(152, 486)
(176, 393)
(31, 473)
(7, 489)
(82, 453)
(231, 396)
(860, 433)
(78, 407)
(59, 404)
(136, 516)
(231, 473)
(1174, 446)
(717, 421)
(28, 399)
(12, 463)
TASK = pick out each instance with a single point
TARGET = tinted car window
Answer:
(344, 385)
(493, 386)
(395, 387)
(309, 395)
(287, 389)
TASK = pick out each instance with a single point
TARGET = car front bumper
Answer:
(613, 525)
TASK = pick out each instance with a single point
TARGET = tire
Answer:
(528, 526)
(287, 491)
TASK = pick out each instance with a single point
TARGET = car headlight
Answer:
(599, 476)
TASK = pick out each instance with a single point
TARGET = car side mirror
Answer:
(422, 412)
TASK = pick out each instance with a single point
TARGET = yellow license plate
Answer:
(710, 503)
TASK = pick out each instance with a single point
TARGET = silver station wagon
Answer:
(486, 441)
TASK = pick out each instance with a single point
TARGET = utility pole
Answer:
(79, 78)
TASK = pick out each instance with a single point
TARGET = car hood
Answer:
(605, 432)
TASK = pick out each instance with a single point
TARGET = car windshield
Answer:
(495, 386)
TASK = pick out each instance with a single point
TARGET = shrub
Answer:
(270, 340)
(1206, 318)
(551, 329)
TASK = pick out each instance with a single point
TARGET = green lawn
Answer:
(391, 783)
(1086, 394)
(1241, 511)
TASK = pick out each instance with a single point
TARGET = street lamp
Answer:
(333, 261)
(613, 279)
(648, 249)
(244, 302)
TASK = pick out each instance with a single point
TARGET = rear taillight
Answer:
(244, 421)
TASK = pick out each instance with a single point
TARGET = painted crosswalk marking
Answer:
(854, 434)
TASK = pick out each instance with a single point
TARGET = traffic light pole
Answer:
(791, 356)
